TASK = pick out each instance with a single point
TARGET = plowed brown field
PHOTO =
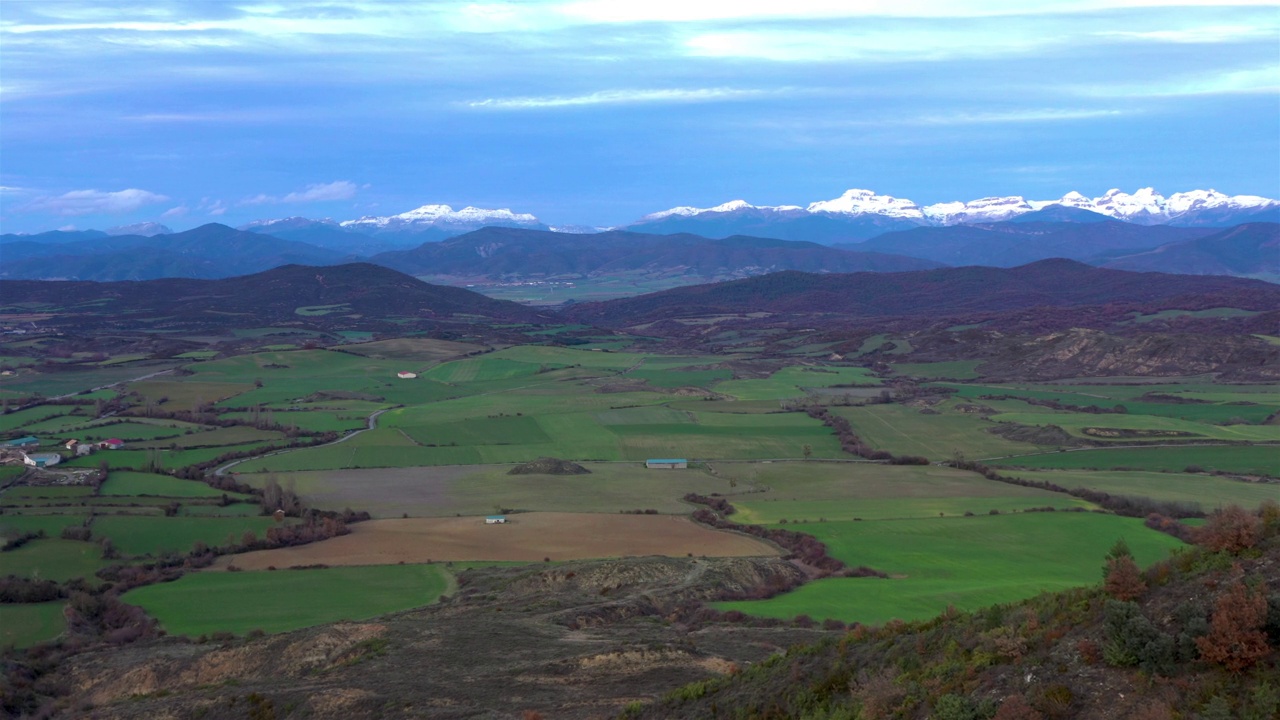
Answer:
(529, 537)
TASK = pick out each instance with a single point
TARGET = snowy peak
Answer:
(865, 202)
(733, 206)
(146, 229)
(1144, 206)
(991, 209)
(429, 216)
(289, 223)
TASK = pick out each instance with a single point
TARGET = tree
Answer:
(807, 450)
(1231, 529)
(1236, 639)
(1124, 580)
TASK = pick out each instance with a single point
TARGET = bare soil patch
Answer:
(526, 537)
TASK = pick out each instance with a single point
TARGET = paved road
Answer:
(372, 424)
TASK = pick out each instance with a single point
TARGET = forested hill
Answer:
(355, 289)
(1047, 283)
(520, 252)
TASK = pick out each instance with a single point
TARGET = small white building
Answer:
(496, 520)
(41, 460)
(666, 463)
(406, 375)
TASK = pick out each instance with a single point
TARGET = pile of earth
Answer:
(549, 466)
(1036, 434)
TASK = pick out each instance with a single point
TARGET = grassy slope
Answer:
(965, 562)
(284, 600)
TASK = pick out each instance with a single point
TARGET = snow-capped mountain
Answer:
(145, 229)
(443, 217)
(867, 213)
(733, 206)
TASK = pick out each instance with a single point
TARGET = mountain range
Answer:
(349, 293)
(1046, 283)
(855, 215)
(509, 253)
(504, 252)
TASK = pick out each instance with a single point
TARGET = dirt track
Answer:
(527, 537)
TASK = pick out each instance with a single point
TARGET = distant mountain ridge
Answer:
(1047, 283)
(361, 290)
(1023, 240)
(517, 252)
(1248, 249)
(209, 251)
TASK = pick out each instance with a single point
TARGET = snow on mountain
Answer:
(578, 229)
(289, 223)
(146, 229)
(443, 216)
(732, 206)
(866, 202)
(1144, 206)
(991, 209)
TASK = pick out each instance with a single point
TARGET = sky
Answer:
(597, 112)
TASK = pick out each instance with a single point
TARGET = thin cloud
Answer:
(619, 97)
(1015, 116)
(220, 116)
(1253, 81)
(175, 212)
(86, 202)
(322, 192)
(1214, 34)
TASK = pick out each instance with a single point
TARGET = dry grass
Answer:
(527, 537)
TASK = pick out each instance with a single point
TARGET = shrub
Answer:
(1231, 529)
(1236, 639)
(1124, 580)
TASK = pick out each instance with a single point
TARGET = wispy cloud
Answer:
(322, 192)
(86, 202)
(1211, 34)
(260, 115)
(618, 97)
(1030, 115)
(1250, 81)
(175, 212)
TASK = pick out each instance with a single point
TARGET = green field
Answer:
(53, 559)
(168, 459)
(958, 369)
(967, 563)
(149, 535)
(30, 623)
(51, 524)
(1156, 427)
(790, 382)
(278, 601)
(122, 482)
(1209, 491)
(905, 430)
(1250, 459)
(798, 491)
(53, 492)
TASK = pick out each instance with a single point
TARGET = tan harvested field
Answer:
(451, 490)
(526, 537)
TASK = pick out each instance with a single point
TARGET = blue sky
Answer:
(597, 112)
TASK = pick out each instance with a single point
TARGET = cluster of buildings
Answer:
(23, 445)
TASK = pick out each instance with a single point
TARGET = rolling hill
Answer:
(1250, 249)
(1047, 283)
(1025, 240)
(209, 251)
(500, 252)
(357, 290)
